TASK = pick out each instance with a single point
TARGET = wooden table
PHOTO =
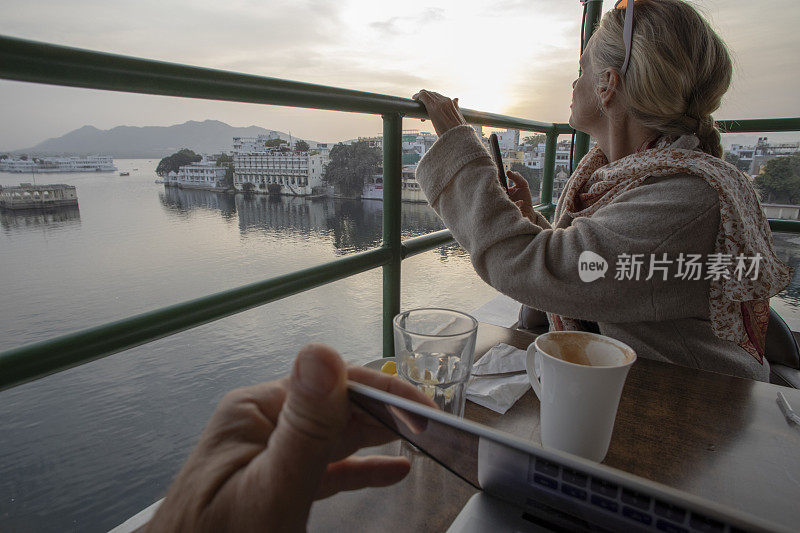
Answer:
(715, 436)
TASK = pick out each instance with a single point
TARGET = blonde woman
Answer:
(690, 255)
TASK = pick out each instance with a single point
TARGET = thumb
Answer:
(313, 417)
(316, 408)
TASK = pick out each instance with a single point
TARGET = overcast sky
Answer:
(511, 57)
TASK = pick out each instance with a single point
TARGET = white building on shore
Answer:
(756, 156)
(508, 139)
(98, 163)
(295, 172)
(415, 145)
(410, 190)
(534, 156)
(19, 166)
(204, 174)
(766, 151)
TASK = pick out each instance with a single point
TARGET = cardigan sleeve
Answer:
(538, 266)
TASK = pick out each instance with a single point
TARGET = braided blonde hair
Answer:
(679, 68)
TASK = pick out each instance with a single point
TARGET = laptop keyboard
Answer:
(640, 510)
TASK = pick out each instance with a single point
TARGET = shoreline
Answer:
(267, 194)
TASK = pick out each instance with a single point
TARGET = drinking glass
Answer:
(434, 350)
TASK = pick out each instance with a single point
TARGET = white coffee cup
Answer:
(582, 375)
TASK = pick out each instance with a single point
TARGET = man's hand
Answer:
(443, 111)
(270, 450)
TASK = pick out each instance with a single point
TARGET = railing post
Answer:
(392, 169)
(548, 174)
(594, 11)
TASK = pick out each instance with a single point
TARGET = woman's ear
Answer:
(608, 87)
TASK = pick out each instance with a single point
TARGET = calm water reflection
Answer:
(87, 448)
(787, 246)
(45, 220)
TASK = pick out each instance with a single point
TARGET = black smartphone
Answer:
(494, 144)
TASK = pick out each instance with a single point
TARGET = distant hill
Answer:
(209, 136)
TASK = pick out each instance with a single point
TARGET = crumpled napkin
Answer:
(498, 393)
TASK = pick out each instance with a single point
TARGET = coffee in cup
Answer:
(588, 349)
(582, 375)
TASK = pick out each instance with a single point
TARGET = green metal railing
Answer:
(29, 61)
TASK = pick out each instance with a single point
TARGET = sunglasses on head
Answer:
(627, 33)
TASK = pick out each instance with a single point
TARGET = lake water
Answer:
(87, 448)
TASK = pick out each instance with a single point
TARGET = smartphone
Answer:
(498, 160)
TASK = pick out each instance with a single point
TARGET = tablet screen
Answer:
(550, 488)
(469, 451)
(454, 449)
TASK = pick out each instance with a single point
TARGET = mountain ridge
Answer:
(207, 136)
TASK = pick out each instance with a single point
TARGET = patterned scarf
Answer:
(738, 308)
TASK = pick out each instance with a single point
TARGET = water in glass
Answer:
(441, 376)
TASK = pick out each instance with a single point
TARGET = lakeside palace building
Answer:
(204, 174)
(58, 164)
(28, 196)
(265, 164)
(297, 173)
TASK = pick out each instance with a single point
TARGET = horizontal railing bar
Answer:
(503, 121)
(755, 125)
(38, 62)
(26, 363)
(32, 61)
(423, 243)
(563, 127)
(759, 125)
(787, 226)
(546, 209)
(37, 360)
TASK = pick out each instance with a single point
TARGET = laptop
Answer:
(525, 487)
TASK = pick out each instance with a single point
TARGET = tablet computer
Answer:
(547, 489)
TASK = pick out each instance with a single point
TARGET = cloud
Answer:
(401, 25)
(515, 57)
(505, 8)
(186, 32)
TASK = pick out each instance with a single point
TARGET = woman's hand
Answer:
(270, 450)
(520, 194)
(443, 111)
